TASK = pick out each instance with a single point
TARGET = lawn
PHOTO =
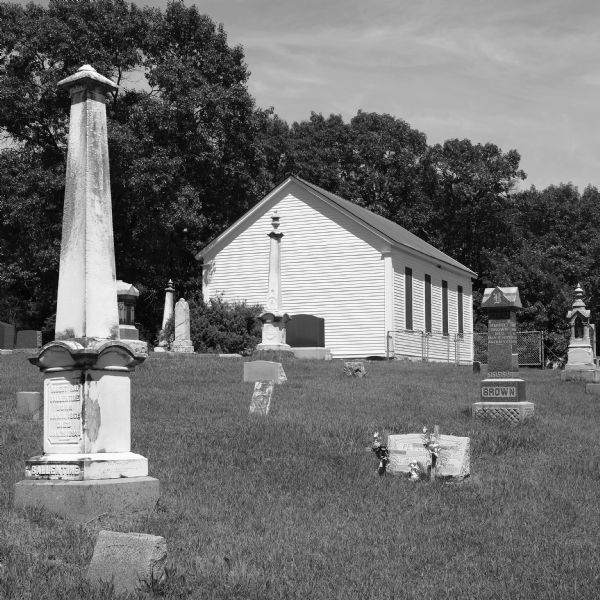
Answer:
(290, 505)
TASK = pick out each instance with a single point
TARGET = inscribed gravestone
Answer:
(306, 331)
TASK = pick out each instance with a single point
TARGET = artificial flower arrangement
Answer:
(381, 452)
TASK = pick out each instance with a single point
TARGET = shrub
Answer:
(223, 327)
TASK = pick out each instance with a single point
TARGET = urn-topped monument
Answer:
(503, 390)
(87, 466)
(273, 317)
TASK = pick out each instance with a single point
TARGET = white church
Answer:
(381, 290)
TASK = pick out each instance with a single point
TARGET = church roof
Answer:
(397, 235)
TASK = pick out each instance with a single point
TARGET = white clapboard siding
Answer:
(330, 267)
(435, 347)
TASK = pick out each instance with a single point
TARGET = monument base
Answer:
(512, 390)
(182, 347)
(316, 353)
(512, 413)
(592, 388)
(585, 373)
(83, 501)
(80, 467)
(272, 354)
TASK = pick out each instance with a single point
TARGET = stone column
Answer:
(169, 302)
(503, 390)
(273, 318)
(87, 467)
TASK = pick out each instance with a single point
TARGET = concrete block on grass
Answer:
(83, 501)
(592, 388)
(30, 405)
(130, 561)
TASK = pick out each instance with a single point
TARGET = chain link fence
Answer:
(530, 348)
(454, 348)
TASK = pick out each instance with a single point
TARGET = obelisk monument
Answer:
(87, 467)
(273, 317)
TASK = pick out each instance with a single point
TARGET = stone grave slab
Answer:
(512, 413)
(354, 368)
(453, 463)
(130, 561)
(264, 370)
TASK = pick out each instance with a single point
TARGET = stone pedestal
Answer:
(502, 392)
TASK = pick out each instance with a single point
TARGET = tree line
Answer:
(190, 152)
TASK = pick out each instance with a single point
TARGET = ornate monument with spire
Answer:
(87, 467)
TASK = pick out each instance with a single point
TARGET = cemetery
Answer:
(339, 457)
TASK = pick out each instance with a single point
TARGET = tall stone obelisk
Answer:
(87, 467)
(273, 318)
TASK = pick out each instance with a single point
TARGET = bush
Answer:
(223, 327)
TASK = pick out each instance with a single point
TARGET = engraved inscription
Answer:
(499, 392)
(63, 398)
(54, 471)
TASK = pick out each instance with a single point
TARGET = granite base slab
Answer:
(83, 501)
(312, 353)
(512, 413)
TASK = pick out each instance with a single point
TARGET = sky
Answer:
(521, 74)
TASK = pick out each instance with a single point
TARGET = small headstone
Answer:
(29, 338)
(261, 398)
(7, 336)
(30, 405)
(131, 561)
(264, 370)
(182, 342)
(306, 331)
(354, 368)
(476, 367)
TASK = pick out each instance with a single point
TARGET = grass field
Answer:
(290, 506)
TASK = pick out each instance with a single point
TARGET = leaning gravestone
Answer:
(503, 390)
(132, 562)
(182, 342)
(264, 374)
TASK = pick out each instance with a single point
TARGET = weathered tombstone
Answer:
(580, 355)
(354, 368)
(453, 462)
(264, 374)
(132, 562)
(127, 296)
(168, 312)
(87, 467)
(261, 398)
(30, 405)
(273, 318)
(7, 336)
(182, 342)
(503, 390)
(28, 338)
